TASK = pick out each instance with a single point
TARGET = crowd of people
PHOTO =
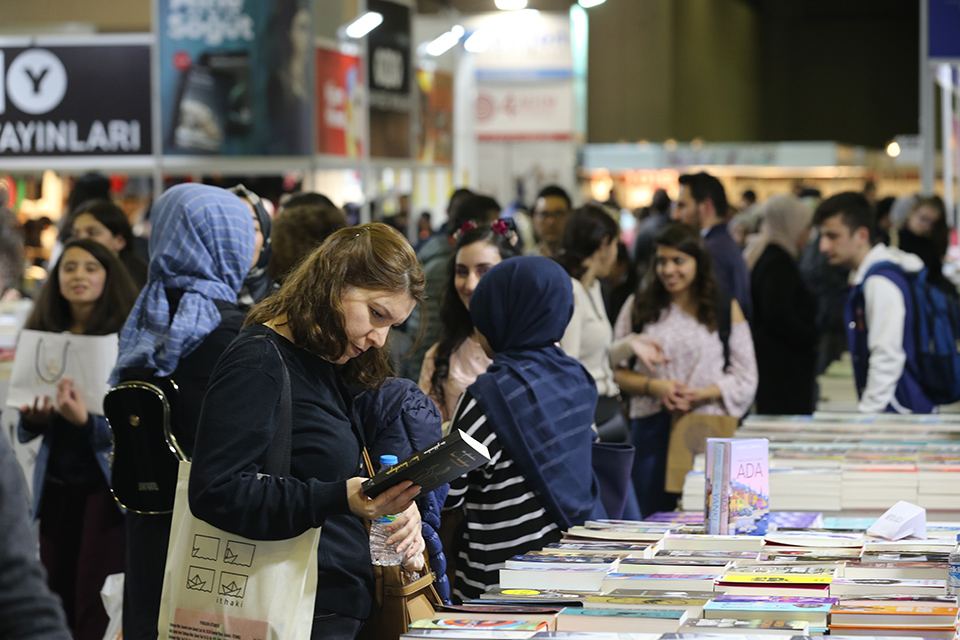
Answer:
(537, 333)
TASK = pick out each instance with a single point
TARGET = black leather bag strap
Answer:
(278, 455)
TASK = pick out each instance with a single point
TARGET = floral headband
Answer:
(503, 227)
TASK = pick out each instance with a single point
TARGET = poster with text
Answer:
(235, 77)
(91, 98)
(340, 104)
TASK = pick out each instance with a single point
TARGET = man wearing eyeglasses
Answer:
(549, 218)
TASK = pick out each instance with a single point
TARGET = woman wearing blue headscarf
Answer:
(201, 249)
(533, 409)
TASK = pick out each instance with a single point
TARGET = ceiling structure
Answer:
(479, 6)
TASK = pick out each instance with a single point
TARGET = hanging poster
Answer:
(435, 137)
(82, 96)
(389, 69)
(235, 77)
(340, 104)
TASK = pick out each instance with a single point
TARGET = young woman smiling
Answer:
(81, 529)
(452, 364)
(677, 306)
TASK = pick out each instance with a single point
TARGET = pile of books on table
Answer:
(833, 462)
(663, 577)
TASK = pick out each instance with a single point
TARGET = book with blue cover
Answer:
(813, 610)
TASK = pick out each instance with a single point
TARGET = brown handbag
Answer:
(398, 599)
(688, 437)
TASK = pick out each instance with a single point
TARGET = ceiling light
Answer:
(511, 5)
(478, 42)
(586, 4)
(445, 42)
(893, 149)
(364, 24)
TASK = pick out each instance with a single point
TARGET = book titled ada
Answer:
(446, 459)
(738, 485)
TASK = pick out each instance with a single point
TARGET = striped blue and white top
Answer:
(503, 516)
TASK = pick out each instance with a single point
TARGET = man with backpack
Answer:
(881, 315)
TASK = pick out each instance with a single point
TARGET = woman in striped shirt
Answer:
(533, 409)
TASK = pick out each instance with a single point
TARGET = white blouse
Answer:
(695, 358)
(589, 335)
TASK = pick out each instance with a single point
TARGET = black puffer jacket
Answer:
(399, 419)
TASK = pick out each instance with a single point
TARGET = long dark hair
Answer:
(455, 322)
(52, 311)
(109, 215)
(375, 257)
(940, 233)
(586, 230)
(653, 298)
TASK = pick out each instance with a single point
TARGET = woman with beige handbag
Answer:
(330, 321)
(709, 378)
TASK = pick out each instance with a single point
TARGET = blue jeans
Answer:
(651, 436)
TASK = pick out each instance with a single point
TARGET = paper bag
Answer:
(43, 358)
(688, 437)
(219, 585)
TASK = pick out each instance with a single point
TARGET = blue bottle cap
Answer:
(388, 460)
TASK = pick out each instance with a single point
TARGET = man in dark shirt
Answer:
(702, 204)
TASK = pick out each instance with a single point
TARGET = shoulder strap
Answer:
(278, 455)
(725, 324)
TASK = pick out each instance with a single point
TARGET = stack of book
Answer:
(815, 611)
(925, 616)
(835, 462)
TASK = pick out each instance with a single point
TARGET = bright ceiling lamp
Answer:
(440, 45)
(586, 4)
(364, 24)
(511, 5)
(479, 41)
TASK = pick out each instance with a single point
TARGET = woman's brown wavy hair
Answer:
(375, 257)
(653, 298)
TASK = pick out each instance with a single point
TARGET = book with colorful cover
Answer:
(632, 534)
(853, 586)
(813, 610)
(660, 581)
(748, 492)
(673, 565)
(485, 625)
(787, 573)
(648, 620)
(532, 595)
(712, 543)
(912, 614)
(730, 625)
(795, 520)
(693, 605)
(691, 517)
(717, 481)
(577, 578)
(563, 561)
(706, 553)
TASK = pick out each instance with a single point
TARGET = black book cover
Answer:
(448, 458)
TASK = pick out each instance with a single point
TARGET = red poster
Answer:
(340, 104)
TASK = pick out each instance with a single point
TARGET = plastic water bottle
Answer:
(953, 579)
(380, 553)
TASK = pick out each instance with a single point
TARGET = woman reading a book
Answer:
(679, 306)
(452, 364)
(81, 527)
(328, 327)
(533, 409)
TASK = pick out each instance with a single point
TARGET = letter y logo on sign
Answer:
(35, 82)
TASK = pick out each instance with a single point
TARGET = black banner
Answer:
(388, 57)
(76, 100)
